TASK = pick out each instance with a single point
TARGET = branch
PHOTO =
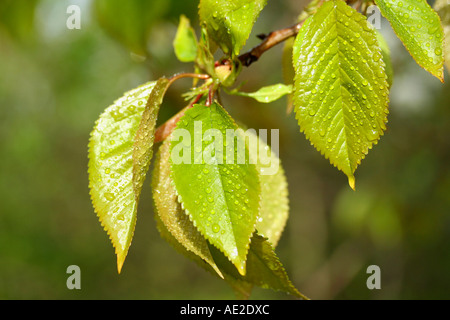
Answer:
(270, 40)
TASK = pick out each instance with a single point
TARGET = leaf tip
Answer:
(241, 268)
(351, 181)
(120, 261)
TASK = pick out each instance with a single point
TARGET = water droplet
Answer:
(312, 112)
(365, 83)
(208, 190)
(376, 56)
(215, 228)
(109, 196)
(438, 51)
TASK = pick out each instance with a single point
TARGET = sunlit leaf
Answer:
(114, 186)
(419, 28)
(340, 91)
(185, 42)
(218, 191)
(230, 22)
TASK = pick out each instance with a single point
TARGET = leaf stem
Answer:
(188, 75)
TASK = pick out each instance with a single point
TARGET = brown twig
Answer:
(270, 40)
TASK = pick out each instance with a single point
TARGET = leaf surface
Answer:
(340, 87)
(114, 188)
(230, 22)
(220, 194)
(419, 28)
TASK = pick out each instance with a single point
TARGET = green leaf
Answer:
(386, 53)
(443, 9)
(185, 42)
(340, 90)
(171, 217)
(267, 94)
(418, 27)
(113, 168)
(274, 203)
(230, 22)
(264, 269)
(219, 193)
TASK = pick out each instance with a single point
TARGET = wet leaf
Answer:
(218, 191)
(419, 28)
(340, 87)
(113, 169)
(230, 22)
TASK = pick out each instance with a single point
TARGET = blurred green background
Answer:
(55, 82)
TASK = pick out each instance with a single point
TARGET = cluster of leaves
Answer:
(229, 217)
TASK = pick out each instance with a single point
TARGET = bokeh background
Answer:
(55, 82)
